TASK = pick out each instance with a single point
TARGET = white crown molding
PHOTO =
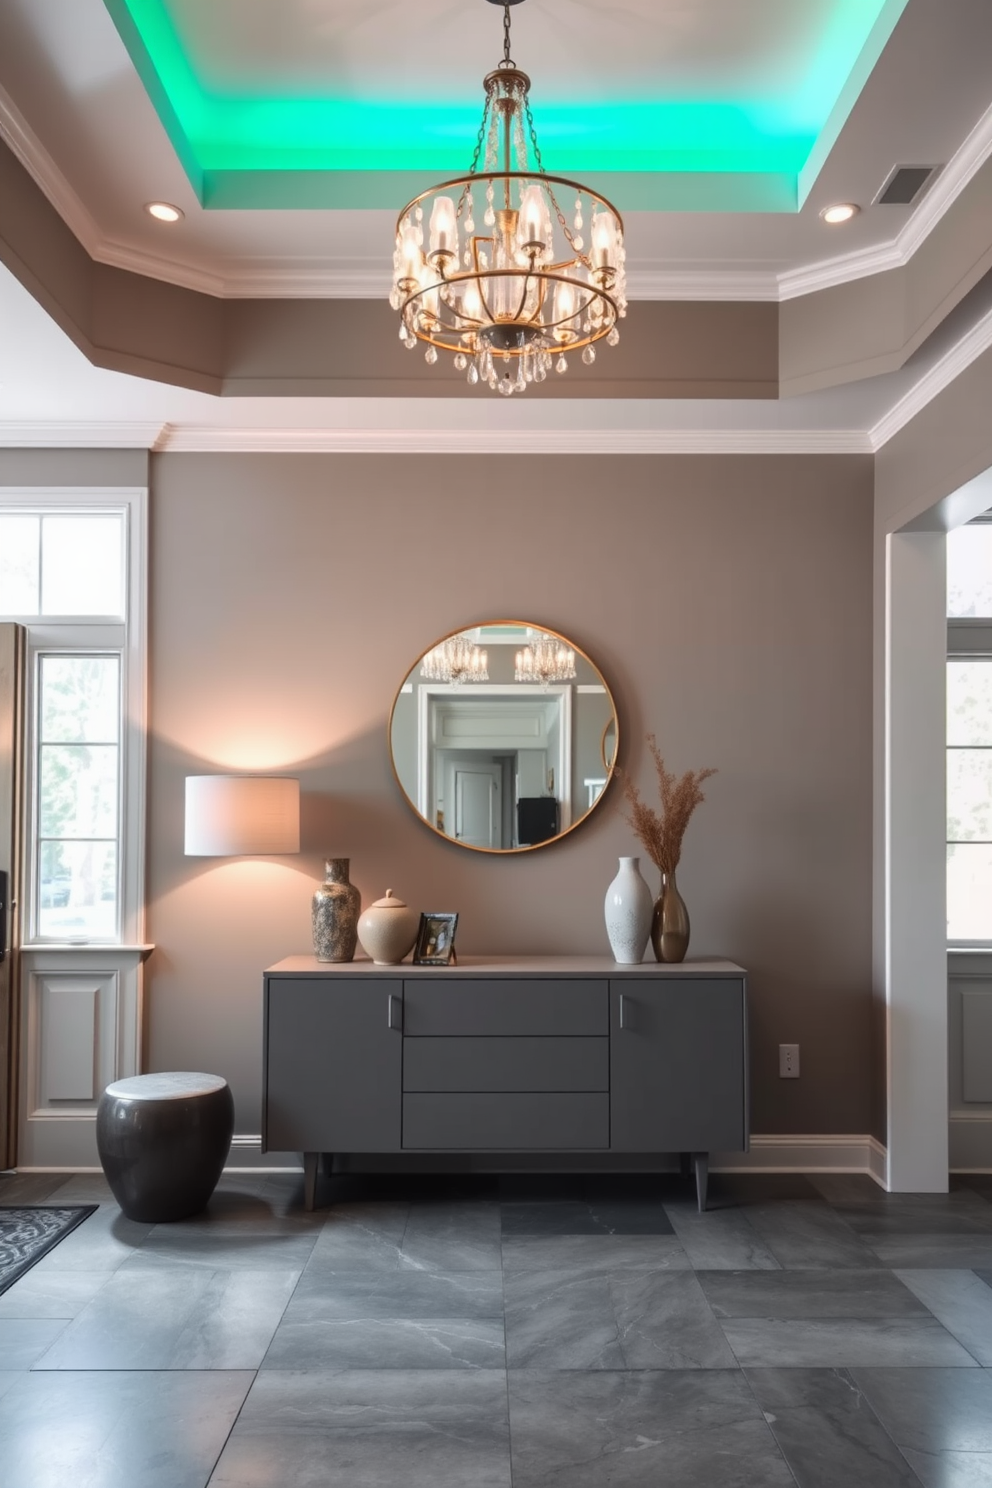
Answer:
(935, 203)
(217, 439)
(414, 441)
(78, 434)
(933, 382)
(360, 281)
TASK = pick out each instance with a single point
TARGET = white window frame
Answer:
(969, 640)
(87, 635)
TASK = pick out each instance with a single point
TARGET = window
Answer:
(72, 571)
(969, 734)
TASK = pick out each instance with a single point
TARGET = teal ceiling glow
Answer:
(272, 135)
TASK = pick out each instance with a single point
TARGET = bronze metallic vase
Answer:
(336, 907)
(670, 922)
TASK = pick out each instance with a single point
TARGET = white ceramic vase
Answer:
(388, 929)
(629, 907)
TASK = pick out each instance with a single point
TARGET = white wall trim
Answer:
(348, 280)
(525, 441)
(943, 372)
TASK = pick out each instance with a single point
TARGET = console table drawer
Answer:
(506, 1064)
(506, 1123)
(463, 1006)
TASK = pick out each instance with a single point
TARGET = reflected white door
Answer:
(477, 793)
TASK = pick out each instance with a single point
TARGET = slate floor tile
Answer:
(802, 1235)
(24, 1340)
(640, 1429)
(938, 1252)
(940, 1419)
(561, 1320)
(665, 1322)
(719, 1238)
(385, 1294)
(827, 1431)
(387, 1343)
(809, 1294)
(960, 1301)
(231, 1247)
(369, 1429)
(117, 1430)
(175, 1317)
(104, 1241)
(844, 1343)
(51, 1294)
(607, 1252)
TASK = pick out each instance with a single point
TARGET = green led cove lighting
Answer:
(252, 147)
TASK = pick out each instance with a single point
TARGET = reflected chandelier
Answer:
(545, 659)
(458, 659)
(516, 299)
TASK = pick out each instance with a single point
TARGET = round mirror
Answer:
(498, 736)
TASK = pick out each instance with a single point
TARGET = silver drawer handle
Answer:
(621, 1009)
(389, 1012)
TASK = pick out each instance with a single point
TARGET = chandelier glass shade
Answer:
(457, 659)
(545, 659)
(509, 270)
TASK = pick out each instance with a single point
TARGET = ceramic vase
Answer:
(336, 907)
(388, 929)
(670, 922)
(628, 913)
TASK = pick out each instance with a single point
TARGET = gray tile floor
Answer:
(533, 1332)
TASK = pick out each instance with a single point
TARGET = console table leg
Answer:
(702, 1165)
(311, 1162)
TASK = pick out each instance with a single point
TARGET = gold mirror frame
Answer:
(421, 773)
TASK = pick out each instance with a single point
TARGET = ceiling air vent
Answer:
(904, 184)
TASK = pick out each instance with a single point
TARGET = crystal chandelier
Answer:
(458, 659)
(545, 659)
(520, 296)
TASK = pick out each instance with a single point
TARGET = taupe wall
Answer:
(727, 601)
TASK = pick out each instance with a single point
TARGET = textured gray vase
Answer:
(628, 913)
(336, 907)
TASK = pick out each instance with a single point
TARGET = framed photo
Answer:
(435, 940)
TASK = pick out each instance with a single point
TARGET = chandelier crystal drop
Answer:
(458, 659)
(488, 268)
(545, 659)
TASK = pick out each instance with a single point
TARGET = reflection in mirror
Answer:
(499, 736)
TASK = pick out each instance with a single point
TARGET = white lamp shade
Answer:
(230, 815)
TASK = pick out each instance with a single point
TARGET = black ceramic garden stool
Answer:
(163, 1140)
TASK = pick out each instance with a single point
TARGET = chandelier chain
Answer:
(507, 59)
(554, 200)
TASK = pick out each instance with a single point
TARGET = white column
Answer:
(914, 851)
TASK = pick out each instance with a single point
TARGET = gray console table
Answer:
(505, 1055)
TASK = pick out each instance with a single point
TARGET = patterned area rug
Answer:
(28, 1233)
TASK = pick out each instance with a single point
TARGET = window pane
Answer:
(77, 893)
(969, 570)
(969, 702)
(80, 699)
(18, 565)
(78, 790)
(969, 892)
(82, 565)
(969, 795)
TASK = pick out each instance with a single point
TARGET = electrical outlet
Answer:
(788, 1061)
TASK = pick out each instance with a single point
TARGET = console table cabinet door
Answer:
(333, 1060)
(677, 1065)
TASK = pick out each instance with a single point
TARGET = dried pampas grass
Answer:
(661, 833)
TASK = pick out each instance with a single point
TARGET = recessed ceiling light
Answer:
(840, 212)
(163, 211)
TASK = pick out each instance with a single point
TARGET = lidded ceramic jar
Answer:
(388, 929)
